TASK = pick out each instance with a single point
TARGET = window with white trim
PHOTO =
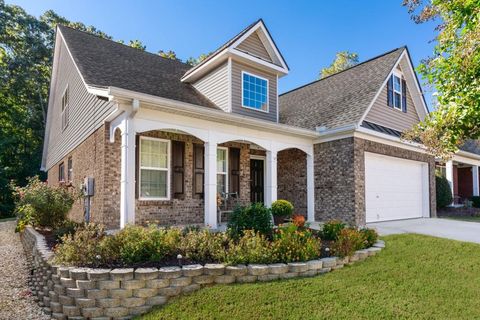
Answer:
(222, 170)
(397, 92)
(154, 174)
(254, 92)
(65, 107)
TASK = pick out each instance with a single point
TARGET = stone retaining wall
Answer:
(84, 293)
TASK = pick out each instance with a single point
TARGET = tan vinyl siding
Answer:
(254, 46)
(382, 114)
(86, 111)
(237, 69)
(215, 86)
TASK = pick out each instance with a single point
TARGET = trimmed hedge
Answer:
(444, 192)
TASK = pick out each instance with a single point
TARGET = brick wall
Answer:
(292, 178)
(340, 177)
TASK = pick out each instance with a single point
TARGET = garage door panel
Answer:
(393, 188)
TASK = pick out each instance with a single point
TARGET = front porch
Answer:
(462, 175)
(204, 163)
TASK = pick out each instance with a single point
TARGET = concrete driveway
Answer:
(443, 228)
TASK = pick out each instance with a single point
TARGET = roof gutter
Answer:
(210, 114)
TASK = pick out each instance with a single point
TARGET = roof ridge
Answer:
(347, 69)
(121, 44)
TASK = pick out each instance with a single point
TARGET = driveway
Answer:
(443, 228)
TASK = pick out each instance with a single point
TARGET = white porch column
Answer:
(310, 189)
(271, 178)
(127, 178)
(210, 188)
(449, 174)
(475, 180)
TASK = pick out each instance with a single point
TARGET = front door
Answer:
(256, 181)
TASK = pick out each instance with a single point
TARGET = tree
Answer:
(26, 47)
(137, 44)
(454, 71)
(343, 60)
(168, 54)
(194, 61)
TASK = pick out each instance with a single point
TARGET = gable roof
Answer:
(340, 99)
(231, 45)
(105, 63)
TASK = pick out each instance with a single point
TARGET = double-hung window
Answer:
(61, 172)
(65, 107)
(222, 170)
(154, 169)
(254, 92)
(397, 92)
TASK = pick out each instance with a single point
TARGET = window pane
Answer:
(397, 100)
(397, 84)
(255, 92)
(221, 183)
(221, 160)
(153, 184)
(154, 154)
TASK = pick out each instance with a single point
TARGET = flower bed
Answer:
(124, 292)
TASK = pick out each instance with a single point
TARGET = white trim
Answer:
(168, 169)
(212, 114)
(276, 98)
(213, 61)
(64, 114)
(397, 75)
(258, 60)
(226, 173)
(260, 25)
(230, 84)
(268, 92)
(387, 139)
(419, 90)
(264, 159)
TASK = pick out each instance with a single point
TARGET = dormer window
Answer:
(254, 92)
(397, 92)
(65, 104)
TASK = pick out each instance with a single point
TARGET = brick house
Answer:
(162, 140)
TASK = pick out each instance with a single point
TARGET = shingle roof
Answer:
(472, 146)
(106, 63)
(340, 99)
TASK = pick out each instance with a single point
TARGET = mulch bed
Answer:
(459, 212)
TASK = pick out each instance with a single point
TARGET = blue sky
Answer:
(308, 33)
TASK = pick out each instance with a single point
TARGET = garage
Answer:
(395, 188)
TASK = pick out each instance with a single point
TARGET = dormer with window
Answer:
(242, 75)
(65, 107)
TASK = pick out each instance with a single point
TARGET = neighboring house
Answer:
(162, 139)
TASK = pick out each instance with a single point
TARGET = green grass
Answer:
(470, 219)
(415, 277)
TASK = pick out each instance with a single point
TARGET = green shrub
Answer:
(331, 229)
(349, 240)
(291, 244)
(46, 206)
(254, 217)
(251, 248)
(444, 191)
(203, 246)
(67, 228)
(282, 208)
(370, 236)
(83, 247)
(475, 201)
(140, 244)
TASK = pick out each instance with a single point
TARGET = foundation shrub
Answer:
(252, 247)
(443, 191)
(254, 217)
(203, 245)
(331, 229)
(293, 244)
(348, 241)
(370, 236)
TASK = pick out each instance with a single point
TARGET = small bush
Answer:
(83, 247)
(67, 228)
(444, 191)
(251, 248)
(475, 201)
(42, 205)
(140, 244)
(298, 220)
(203, 246)
(370, 236)
(349, 240)
(290, 244)
(254, 217)
(282, 208)
(331, 230)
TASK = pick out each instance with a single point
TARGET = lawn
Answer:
(415, 277)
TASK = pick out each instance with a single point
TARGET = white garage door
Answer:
(395, 188)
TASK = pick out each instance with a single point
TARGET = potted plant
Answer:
(281, 210)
